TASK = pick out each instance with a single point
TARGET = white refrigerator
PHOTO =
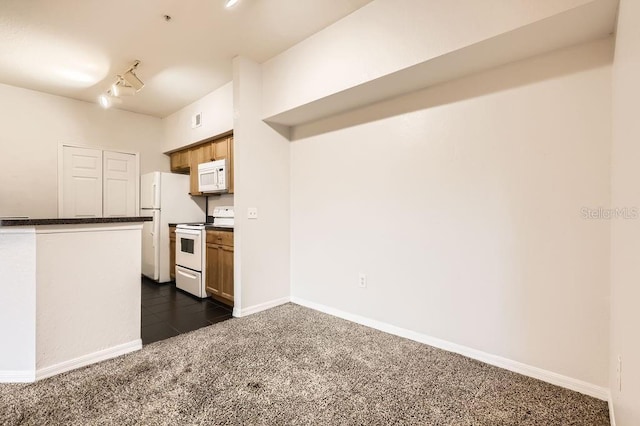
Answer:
(165, 197)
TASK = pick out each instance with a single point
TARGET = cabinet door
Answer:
(213, 270)
(198, 155)
(221, 149)
(193, 184)
(194, 155)
(226, 275)
(174, 160)
(180, 161)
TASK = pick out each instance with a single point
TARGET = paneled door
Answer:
(81, 182)
(119, 184)
(97, 183)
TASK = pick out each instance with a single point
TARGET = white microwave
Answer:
(213, 176)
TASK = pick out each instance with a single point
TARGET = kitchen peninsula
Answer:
(70, 293)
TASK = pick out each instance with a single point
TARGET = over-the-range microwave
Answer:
(213, 177)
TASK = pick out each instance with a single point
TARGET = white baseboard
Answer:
(88, 359)
(508, 364)
(612, 417)
(261, 307)
(26, 376)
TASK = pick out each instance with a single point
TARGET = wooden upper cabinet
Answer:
(201, 154)
(197, 155)
(187, 160)
(180, 161)
(221, 149)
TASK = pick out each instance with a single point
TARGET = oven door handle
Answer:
(193, 277)
(187, 232)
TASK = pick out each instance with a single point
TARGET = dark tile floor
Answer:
(167, 311)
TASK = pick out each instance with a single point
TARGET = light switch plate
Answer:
(252, 213)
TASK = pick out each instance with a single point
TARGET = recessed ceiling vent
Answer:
(196, 120)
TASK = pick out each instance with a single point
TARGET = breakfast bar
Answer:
(71, 293)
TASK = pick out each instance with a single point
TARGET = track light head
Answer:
(104, 101)
(127, 84)
(107, 100)
(119, 89)
(132, 80)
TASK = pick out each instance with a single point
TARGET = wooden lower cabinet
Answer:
(172, 252)
(219, 280)
(225, 254)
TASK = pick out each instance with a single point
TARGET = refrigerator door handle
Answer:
(155, 190)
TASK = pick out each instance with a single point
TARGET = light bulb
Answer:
(104, 101)
(230, 3)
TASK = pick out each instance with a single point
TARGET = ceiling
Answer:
(75, 48)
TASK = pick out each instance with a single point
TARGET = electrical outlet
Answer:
(619, 373)
(362, 280)
(252, 213)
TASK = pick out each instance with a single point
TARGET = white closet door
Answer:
(120, 178)
(82, 182)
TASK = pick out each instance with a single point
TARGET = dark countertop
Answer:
(73, 221)
(207, 226)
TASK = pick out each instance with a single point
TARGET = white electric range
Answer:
(191, 242)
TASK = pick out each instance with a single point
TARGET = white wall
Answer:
(88, 301)
(217, 118)
(49, 279)
(17, 304)
(261, 180)
(625, 242)
(34, 124)
(462, 204)
(386, 36)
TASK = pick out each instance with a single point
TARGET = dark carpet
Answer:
(294, 366)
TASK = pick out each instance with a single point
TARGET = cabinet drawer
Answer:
(220, 237)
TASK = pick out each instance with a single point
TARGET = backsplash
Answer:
(220, 200)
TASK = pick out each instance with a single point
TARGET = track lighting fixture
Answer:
(126, 84)
(122, 90)
(132, 80)
(106, 100)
